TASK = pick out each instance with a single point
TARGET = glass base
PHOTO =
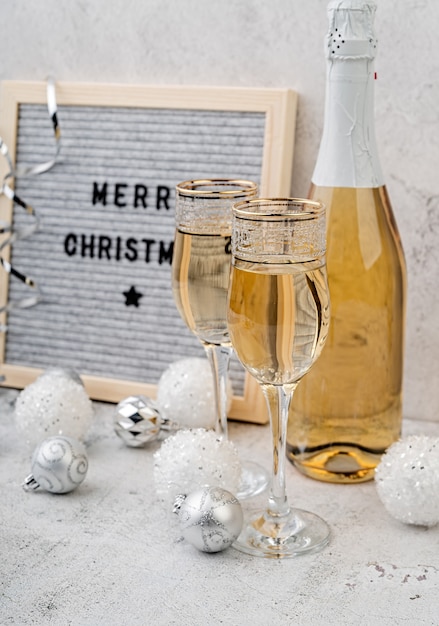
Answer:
(254, 480)
(301, 532)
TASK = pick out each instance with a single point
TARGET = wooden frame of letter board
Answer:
(279, 106)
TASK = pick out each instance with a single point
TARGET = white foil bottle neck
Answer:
(348, 155)
(351, 33)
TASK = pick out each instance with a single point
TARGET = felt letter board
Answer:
(102, 255)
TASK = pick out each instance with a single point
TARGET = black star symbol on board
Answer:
(132, 297)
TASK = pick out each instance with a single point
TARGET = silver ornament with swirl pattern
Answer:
(210, 518)
(59, 465)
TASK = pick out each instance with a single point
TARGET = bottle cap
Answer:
(351, 34)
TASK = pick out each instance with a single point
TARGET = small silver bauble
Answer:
(138, 421)
(59, 465)
(210, 518)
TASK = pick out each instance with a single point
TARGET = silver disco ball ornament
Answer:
(210, 518)
(59, 465)
(137, 421)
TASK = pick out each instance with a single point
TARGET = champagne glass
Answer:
(278, 318)
(200, 279)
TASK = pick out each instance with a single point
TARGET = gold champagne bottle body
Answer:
(348, 409)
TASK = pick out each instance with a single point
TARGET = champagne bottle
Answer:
(348, 409)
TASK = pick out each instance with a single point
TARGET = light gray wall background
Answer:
(254, 43)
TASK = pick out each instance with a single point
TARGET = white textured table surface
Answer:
(107, 554)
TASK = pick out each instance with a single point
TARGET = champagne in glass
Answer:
(200, 280)
(201, 268)
(278, 318)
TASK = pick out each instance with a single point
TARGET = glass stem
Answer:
(278, 399)
(219, 359)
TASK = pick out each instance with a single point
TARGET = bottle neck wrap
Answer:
(348, 154)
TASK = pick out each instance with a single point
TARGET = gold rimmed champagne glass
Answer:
(200, 280)
(278, 317)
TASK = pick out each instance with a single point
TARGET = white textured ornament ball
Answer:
(192, 458)
(186, 394)
(407, 480)
(59, 465)
(56, 403)
(210, 518)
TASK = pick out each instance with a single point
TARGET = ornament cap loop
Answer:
(29, 483)
(179, 499)
(168, 424)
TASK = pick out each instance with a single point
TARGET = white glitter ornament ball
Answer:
(407, 480)
(193, 458)
(59, 465)
(56, 403)
(185, 393)
(210, 518)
